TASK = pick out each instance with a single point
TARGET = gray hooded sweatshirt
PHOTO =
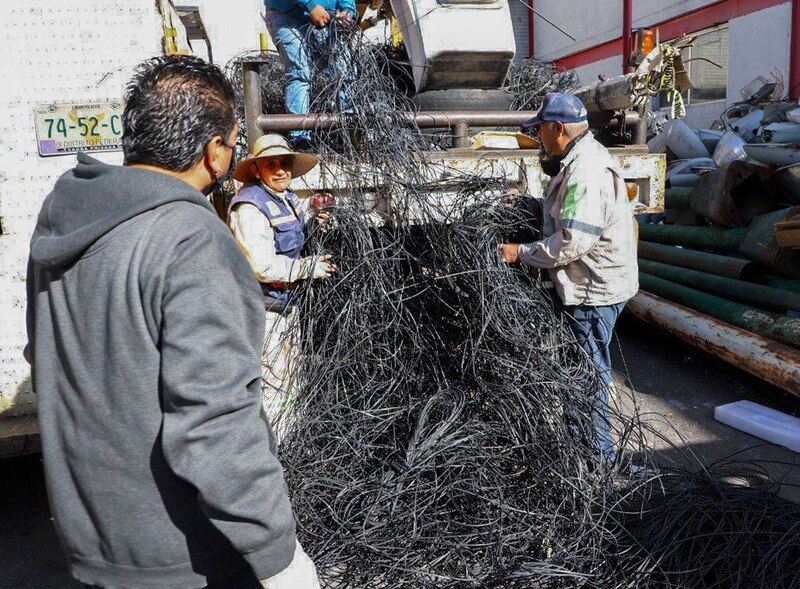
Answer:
(145, 327)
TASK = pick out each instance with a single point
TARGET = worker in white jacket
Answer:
(588, 245)
(268, 221)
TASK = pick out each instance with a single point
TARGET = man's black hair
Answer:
(174, 106)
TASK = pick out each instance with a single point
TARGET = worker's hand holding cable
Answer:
(510, 197)
(315, 267)
(319, 16)
(300, 574)
(509, 252)
(324, 221)
(344, 16)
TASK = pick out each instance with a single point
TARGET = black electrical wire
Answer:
(444, 431)
(530, 80)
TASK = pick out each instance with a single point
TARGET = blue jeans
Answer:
(593, 328)
(300, 45)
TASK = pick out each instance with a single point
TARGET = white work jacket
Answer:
(588, 245)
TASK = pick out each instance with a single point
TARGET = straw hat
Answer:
(268, 146)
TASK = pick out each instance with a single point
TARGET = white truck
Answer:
(64, 68)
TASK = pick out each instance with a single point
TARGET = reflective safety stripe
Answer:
(274, 221)
(581, 226)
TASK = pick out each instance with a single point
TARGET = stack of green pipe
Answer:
(783, 329)
(783, 283)
(678, 198)
(703, 238)
(755, 294)
(704, 262)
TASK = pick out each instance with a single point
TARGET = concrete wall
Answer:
(758, 44)
(650, 12)
(703, 114)
(589, 22)
(597, 21)
(519, 18)
(607, 67)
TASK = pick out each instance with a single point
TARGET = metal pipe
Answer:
(253, 106)
(640, 131)
(783, 283)
(607, 95)
(760, 244)
(704, 262)
(794, 66)
(683, 181)
(777, 327)
(531, 29)
(677, 198)
(627, 29)
(746, 292)
(711, 238)
(460, 135)
(759, 356)
(423, 119)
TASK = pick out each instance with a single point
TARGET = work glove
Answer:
(300, 574)
(315, 267)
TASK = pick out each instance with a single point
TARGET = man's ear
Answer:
(559, 127)
(212, 155)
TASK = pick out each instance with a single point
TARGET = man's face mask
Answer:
(551, 164)
(221, 179)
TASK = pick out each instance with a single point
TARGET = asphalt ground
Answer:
(676, 389)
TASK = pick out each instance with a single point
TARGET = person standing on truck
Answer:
(268, 221)
(300, 28)
(588, 246)
(145, 327)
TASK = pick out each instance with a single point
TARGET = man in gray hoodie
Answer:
(145, 328)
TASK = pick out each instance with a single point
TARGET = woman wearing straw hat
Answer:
(268, 220)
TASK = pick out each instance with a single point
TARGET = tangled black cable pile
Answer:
(443, 435)
(531, 79)
(719, 527)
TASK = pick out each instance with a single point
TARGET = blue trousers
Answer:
(299, 44)
(593, 328)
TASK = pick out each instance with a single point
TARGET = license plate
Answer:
(68, 128)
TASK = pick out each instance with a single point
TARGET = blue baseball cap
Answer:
(558, 107)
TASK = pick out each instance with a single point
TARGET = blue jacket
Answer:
(305, 6)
